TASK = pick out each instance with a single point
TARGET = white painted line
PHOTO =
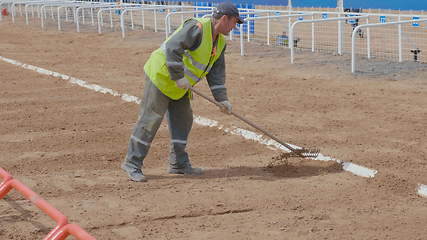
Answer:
(347, 166)
(72, 80)
(359, 170)
(422, 190)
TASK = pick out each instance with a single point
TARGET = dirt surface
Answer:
(67, 143)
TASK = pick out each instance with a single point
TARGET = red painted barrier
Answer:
(62, 229)
(4, 188)
(74, 230)
(4, 12)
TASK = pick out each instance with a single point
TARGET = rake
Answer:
(294, 152)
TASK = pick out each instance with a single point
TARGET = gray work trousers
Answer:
(152, 109)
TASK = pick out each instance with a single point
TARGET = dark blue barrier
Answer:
(253, 2)
(202, 4)
(257, 2)
(243, 15)
(314, 3)
(387, 4)
(365, 4)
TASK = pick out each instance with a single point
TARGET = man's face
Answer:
(227, 23)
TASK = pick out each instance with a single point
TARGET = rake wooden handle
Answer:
(250, 123)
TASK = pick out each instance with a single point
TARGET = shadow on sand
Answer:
(23, 215)
(291, 170)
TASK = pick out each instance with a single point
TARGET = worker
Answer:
(194, 51)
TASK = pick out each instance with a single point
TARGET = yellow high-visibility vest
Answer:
(197, 63)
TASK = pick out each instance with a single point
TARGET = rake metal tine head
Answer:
(306, 152)
(310, 152)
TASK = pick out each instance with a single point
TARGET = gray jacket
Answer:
(189, 38)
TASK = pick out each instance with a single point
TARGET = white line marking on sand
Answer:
(422, 190)
(347, 166)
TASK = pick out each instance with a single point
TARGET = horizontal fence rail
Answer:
(169, 15)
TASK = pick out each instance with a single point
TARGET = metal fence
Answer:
(279, 29)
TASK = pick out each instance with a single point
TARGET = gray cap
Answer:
(228, 8)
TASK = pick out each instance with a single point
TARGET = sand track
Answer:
(67, 142)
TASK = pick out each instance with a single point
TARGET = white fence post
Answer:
(291, 42)
(42, 18)
(155, 20)
(353, 47)
(339, 37)
(122, 22)
(26, 14)
(312, 34)
(242, 51)
(131, 20)
(143, 19)
(91, 17)
(58, 13)
(289, 28)
(368, 43)
(83, 16)
(248, 29)
(100, 21)
(268, 28)
(182, 15)
(12, 12)
(51, 12)
(399, 28)
(111, 19)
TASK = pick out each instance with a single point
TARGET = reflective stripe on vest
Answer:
(197, 63)
(187, 71)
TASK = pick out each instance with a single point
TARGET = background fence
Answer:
(269, 26)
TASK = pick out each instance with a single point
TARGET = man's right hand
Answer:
(183, 83)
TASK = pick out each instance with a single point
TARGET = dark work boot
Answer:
(134, 174)
(188, 169)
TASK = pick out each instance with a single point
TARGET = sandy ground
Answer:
(67, 142)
